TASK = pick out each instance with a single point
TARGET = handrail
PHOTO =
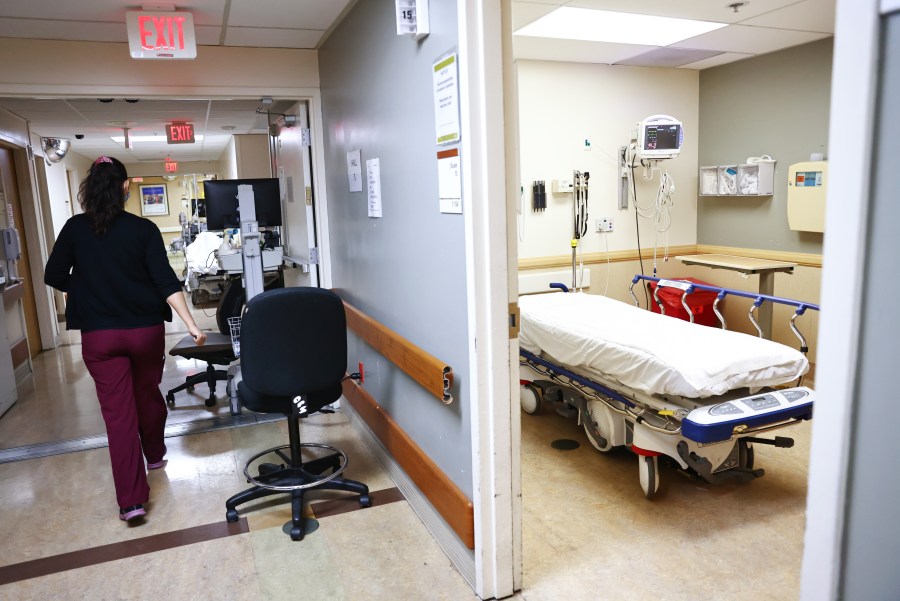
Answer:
(432, 374)
(758, 299)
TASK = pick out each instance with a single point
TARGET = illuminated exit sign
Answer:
(171, 167)
(161, 35)
(180, 133)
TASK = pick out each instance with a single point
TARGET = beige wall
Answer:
(561, 105)
(95, 68)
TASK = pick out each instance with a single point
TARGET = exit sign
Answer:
(171, 167)
(180, 133)
(155, 34)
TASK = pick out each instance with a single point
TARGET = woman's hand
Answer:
(198, 334)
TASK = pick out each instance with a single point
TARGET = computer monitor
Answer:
(222, 210)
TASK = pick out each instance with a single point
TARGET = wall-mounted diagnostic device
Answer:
(659, 137)
(807, 183)
(12, 250)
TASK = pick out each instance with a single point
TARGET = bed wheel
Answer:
(531, 398)
(598, 426)
(745, 454)
(649, 474)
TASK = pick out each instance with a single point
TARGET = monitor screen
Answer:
(222, 202)
(662, 137)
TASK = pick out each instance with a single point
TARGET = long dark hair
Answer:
(101, 195)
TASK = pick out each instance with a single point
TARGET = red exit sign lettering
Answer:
(171, 167)
(180, 133)
(161, 34)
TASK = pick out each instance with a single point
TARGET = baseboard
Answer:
(461, 556)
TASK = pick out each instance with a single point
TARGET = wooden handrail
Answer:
(433, 375)
(446, 497)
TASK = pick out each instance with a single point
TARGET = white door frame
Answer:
(495, 446)
(851, 127)
(313, 96)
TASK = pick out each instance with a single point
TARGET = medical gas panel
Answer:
(756, 177)
(806, 196)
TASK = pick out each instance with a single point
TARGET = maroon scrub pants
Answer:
(127, 367)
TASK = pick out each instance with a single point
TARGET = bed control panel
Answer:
(722, 420)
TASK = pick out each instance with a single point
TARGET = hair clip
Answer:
(103, 160)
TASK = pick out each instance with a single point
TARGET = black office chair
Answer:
(216, 351)
(293, 360)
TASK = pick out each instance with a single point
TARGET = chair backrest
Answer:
(293, 341)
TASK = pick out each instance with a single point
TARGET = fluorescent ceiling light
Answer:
(121, 139)
(622, 28)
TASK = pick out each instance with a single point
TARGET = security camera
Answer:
(79, 136)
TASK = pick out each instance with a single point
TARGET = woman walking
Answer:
(120, 289)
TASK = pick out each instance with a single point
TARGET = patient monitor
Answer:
(659, 137)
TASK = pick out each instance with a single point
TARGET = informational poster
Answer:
(373, 173)
(446, 100)
(449, 181)
(354, 170)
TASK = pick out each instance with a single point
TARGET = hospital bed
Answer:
(661, 386)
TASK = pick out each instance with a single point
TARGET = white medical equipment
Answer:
(656, 138)
(659, 385)
(659, 137)
(807, 184)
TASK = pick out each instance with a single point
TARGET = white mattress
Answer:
(650, 352)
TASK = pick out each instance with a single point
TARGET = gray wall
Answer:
(407, 269)
(776, 104)
(872, 540)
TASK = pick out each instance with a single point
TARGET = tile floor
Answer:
(588, 531)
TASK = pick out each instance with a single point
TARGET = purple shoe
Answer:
(127, 514)
(157, 465)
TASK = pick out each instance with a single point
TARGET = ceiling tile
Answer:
(291, 14)
(524, 13)
(668, 57)
(51, 29)
(703, 10)
(752, 40)
(272, 38)
(715, 61)
(551, 49)
(809, 15)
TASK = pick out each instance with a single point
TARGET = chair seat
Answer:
(217, 349)
(263, 403)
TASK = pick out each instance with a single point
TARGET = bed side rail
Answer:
(758, 299)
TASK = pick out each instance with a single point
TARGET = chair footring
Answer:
(310, 474)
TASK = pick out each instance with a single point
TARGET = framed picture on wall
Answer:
(153, 200)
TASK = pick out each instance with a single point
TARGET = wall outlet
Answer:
(605, 224)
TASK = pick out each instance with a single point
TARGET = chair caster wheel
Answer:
(210, 402)
(231, 516)
(296, 533)
(170, 400)
(365, 501)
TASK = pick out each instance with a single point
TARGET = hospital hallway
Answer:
(589, 534)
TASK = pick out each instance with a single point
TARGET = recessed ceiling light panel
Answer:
(621, 28)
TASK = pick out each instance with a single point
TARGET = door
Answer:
(11, 199)
(293, 168)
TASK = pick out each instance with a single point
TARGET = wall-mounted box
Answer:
(755, 178)
(807, 185)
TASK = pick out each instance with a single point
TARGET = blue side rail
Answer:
(758, 299)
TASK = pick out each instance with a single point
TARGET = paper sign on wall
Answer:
(446, 100)
(354, 171)
(449, 181)
(373, 172)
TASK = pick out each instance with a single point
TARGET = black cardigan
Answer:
(118, 280)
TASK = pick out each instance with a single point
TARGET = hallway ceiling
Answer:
(758, 27)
